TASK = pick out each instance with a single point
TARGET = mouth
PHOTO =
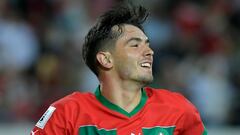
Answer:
(146, 65)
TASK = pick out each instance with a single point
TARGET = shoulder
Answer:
(187, 115)
(62, 114)
(174, 99)
(75, 99)
(65, 109)
(164, 94)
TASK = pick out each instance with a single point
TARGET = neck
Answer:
(123, 94)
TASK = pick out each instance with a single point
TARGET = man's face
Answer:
(132, 55)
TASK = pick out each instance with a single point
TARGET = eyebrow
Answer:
(137, 39)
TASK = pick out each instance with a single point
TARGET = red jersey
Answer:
(160, 112)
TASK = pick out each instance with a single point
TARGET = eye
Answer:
(134, 45)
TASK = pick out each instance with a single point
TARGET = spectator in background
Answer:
(19, 50)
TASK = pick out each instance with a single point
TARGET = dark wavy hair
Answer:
(102, 37)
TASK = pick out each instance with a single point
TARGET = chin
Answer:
(146, 80)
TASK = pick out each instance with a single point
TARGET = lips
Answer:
(146, 64)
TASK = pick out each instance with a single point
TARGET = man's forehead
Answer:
(131, 31)
(131, 28)
(126, 28)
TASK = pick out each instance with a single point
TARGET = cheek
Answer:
(125, 66)
(125, 60)
(129, 61)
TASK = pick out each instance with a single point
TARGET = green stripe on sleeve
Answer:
(205, 131)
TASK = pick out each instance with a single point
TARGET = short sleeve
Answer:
(52, 122)
(191, 121)
(193, 124)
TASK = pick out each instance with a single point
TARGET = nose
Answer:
(148, 51)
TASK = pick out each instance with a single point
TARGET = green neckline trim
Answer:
(116, 108)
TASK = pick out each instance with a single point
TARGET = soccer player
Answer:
(117, 50)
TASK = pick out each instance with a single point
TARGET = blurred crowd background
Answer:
(196, 44)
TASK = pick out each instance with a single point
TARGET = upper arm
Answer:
(191, 122)
(52, 122)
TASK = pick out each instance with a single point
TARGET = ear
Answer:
(104, 59)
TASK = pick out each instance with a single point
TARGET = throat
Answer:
(126, 100)
(127, 105)
(130, 103)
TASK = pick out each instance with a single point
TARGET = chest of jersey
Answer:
(158, 113)
(152, 119)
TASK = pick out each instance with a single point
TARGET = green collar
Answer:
(116, 108)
